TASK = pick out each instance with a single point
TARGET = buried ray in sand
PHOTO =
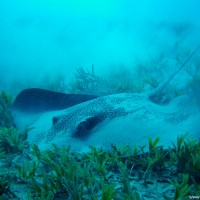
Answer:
(82, 121)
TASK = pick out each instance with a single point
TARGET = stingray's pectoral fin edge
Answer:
(84, 128)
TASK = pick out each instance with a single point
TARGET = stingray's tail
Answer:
(153, 95)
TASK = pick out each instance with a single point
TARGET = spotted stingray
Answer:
(123, 119)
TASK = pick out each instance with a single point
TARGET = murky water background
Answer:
(54, 37)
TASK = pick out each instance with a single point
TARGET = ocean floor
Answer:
(120, 173)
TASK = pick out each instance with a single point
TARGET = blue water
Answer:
(57, 36)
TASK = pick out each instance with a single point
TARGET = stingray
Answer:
(82, 121)
(36, 100)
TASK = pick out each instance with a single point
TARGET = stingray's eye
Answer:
(84, 127)
(55, 120)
